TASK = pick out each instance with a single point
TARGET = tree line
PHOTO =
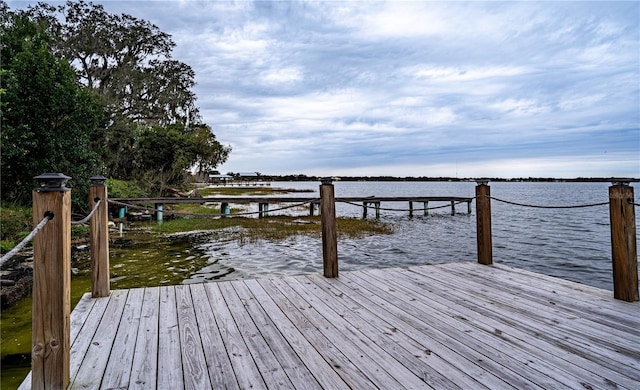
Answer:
(85, 92)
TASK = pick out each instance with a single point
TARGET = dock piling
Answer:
(99, 238)
(51, 310)
(329, 232)
(623, 241)
(483, 222)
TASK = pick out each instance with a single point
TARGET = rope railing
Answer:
(549, 207)
(7, 256)
(211, 215)
(404, 210)
(88, 217)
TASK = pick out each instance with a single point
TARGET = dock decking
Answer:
(456, 325)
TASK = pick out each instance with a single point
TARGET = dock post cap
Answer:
(621, 182)
(328, 180)
(482, 182)
(98, 181)
(52, 182)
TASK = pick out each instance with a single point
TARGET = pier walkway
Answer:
(456, 325)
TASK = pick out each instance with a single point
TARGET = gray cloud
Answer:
(413, 88)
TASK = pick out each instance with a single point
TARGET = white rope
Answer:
(24, 242)
(88, 217)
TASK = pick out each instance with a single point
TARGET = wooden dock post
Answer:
(623, 241)
(483, 222)
(51, 284)
(311, 209)
(329, 231)
(377, 205)
(410, 209)
(426, 209)
(453, 208)
(99, 240)
(469, 207)
(365, 206)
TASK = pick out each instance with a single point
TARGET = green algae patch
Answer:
(274, 228)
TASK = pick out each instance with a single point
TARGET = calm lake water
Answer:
(569, 243)
(573, 244)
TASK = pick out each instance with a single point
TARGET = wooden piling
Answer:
(365, 206)
(329, 230)
(483, 222)
(623, 242)
(159, 208)
(51, 286)
(99, 240)
(410, 209)
(426, 209)
(263, 210)
(453, 208)
(224, 209)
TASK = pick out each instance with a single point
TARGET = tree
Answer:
(125, 60)
(164, 154)
(47, 120)
(127, 63)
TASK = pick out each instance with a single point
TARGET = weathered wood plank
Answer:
(170, 374)
(368, 340)
(220, 371)
(334, 356)
(266, 361)
(558, 330)
(357, 352)
(95, 361)
(144, 369)
(320, 368)
(194, 367)
(490, 367)
(407, 344)
(118, 370)
(246, 371)
(599, 340)
(292, 365)
(566, 364)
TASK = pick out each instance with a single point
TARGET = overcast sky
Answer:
(467, 89)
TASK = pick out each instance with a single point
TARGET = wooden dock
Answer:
(449, 326)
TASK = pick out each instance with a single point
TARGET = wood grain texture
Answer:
(623, 243)
(99, 242)
(51, 290)
(445, 326)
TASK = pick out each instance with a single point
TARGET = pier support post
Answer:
(99, 240)
(329, 231)
(377, 204)
(311, 209)
(365, 206)
(224, 209)
(623, 241)
(159, 207)
(263, 210)
(51, 284)
(469, 207)
(426, 209)
(453, 208)
(410, 209)
(483, 222)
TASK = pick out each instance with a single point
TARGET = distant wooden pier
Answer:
(449, 326)
(370, 202)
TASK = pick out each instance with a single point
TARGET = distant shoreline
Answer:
(424, 178)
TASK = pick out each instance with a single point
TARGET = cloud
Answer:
(413, 88)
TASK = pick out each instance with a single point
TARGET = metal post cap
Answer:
(620, 182)
(482, 182)
(52, 182)
(98, 181)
